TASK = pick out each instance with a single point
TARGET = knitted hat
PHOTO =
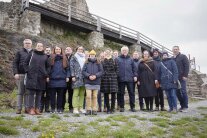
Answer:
(92, 52)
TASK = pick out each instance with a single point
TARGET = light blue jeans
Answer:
(171, 98)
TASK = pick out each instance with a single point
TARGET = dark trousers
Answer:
(99, 100)
(113, 99)
(159, 99)
(45, 100)
(57, 102)
(149, 103)
(141, 99)
(121, 93)
(34, 98)
(70, 96)
(182, 95)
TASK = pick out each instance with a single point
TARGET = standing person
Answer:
(109, 83)
(169, 79)
(37, 67)
(92, 72)
(76, 65)
(127, 76)
(183, 70)
(136, 62)
(19, 75)
(45, 98)
(59, 76)
(159, 99)
(147, 79)
(115, 54)
(69, 54)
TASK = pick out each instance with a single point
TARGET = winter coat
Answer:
(58, 74)
(157, 61)
(18, 63)
(37, 71)
(92, 67)
(76, 71)
(109, 82)
(182, 65)
(127, 69)
(147, 78)
(168, 79)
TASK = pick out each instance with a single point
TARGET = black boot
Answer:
(88, 112)
(94, 112)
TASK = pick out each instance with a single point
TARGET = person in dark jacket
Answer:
(36, 66)
(159, 99)
(59, 76)
(126, 77)
(136, 62)
(92, 72)
(169, 79)
(69, 54)
(19, 75)
(147, 79)
(183, 70)
(109, 82)
(45, 98)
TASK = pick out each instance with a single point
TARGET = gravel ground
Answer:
(141, 124)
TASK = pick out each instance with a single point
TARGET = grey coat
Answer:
(76, 71)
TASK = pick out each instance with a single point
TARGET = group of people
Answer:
(44, 76)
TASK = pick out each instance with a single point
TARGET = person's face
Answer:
(115, 54)
(27, 44)
(176, 50)
(155, 54)
(92, 56)
(102, 56)
(125, 52)
(80, 49)
(164, 56)
(135, 55)
(68, 50)
(57, 50)
(146, 55)
(48, 51)
(39, 47)
(107, 53)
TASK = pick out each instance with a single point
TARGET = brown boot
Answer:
(27, 111)
(19, 111)
(32, 111)
(37, 111)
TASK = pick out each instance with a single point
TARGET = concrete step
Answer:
(199, 98)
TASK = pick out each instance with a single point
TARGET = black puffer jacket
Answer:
(18, 62)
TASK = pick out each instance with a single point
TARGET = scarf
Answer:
(81, 58)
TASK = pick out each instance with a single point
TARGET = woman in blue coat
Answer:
(169, 79)
(58, 78)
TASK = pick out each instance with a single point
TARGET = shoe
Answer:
(170, 110)
(82, 111)
(52, 111)
(105, 110)
(121, 109)
(99, 110)
(157, 109)
(32, 111)
(37, 111)
(118, 107)
(71, 110)
(151, 110)
(26, 111)
(174, 111)
(185, 110)
(163, 109)
(112, 111)
(133, 110)
(88, 112)
(108, 112)
(75, 111)
(94, 112)
(19, 111)
(180, 110)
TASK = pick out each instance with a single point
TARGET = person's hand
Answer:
(67, 79)
(16, 76)
(156, 82)
(73, 79)
(138, 83)
(91, 77)
(47, 79)
(94, 77)
(135, 79)
(184, 78)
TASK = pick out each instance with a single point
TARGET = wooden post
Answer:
(69, 13)
(138, 38)
(98, 24)
(120, 31)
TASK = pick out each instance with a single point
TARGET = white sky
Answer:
(169, 22)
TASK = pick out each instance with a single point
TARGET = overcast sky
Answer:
(169, 22)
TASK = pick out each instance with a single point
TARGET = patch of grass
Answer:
(142, 118)
(100, 120)
(6, 130)
(128, 133)
(80, 132)
(165, 114)
(47, 134)
(182, 121)
(162, 122)
(202, 108)
(114, 124)
(155, 132)
(120, 118)
(46, 122)
(55, 116)
(66, 115)
(76, 115)
(35, 128)
(93, 123)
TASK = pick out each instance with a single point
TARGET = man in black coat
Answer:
(19, 75)
(126, 77)
(183, 70)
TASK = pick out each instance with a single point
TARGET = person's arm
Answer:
(26, 62)
(84, 71)
(72, 70)
(134, 69)
(174, 71)
(116, 67)
(100, 72)
(16, 63)
(186, 66)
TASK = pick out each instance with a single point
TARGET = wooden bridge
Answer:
(57, 10)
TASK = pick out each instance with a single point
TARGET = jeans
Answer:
(34, 102)
(56, 101)
(182, 95)
(131, 93)
(22, 93)
(159, 99)
(78, 97)
(171, 98)
(91, 99)
(100, 100)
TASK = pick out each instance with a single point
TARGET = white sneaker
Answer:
(82, 111)
(75, 111)
(185, 110)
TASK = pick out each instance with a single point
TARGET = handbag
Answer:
(178, 82)
(25, 77)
